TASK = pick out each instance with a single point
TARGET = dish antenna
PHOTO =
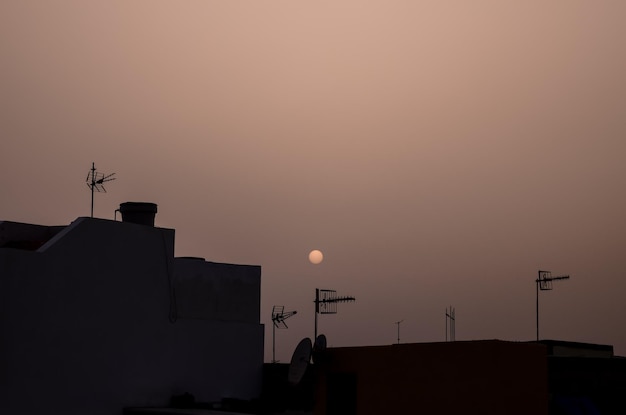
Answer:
(326, 303)
(319, 347)
(299, 361)
(96, 180)
(278, 321)
(544, 283)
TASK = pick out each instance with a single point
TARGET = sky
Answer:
(439, 153)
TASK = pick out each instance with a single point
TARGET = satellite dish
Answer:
(300, 361)
(320, 343)
(318, 348)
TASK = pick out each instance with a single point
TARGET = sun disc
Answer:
(316, 256)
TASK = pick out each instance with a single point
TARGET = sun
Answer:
(316, 256)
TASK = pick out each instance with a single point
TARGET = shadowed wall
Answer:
(480, 377)
(89, 324)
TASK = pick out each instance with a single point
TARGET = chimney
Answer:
(141, 213)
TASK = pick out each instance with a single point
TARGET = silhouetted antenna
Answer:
(544, 283)
(450, 316)
(398, 324)
(326, 303)
(96, 180)
(278, 322)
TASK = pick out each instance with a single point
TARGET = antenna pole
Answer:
(453, 323)
(399, 332)
(544, 283)
(450, 315)
(95, 182)
(317, 310)
(398, 324)
(279, 315)
(537, 313)
(93, 172)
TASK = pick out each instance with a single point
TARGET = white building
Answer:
(99, 315)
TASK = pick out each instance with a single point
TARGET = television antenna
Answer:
(326, 303)
(450, 316)
(398, 324)
(278, 321)
(95, 181)
(544, 283)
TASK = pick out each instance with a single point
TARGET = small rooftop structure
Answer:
(141, 213)
(25, 235)
(560, 348)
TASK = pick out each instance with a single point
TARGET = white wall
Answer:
(88, 325)
(214, 291)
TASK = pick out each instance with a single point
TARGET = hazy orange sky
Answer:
(438, 152)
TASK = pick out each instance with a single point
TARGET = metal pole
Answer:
(398, 323)
(273, 342)
(452, 324)
(317, 309)
(537, 314)
(446, 324)
(398, 332)
(93, 179)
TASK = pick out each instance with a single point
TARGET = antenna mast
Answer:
(278, 319)
(96, 180)
(450, 315)
(398, 323)
(544, 283)
(326, 303)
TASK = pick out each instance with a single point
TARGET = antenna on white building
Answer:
(278, 321)
(96, 180)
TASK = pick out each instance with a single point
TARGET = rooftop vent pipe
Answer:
(141, 213)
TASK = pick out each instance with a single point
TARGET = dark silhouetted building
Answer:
(99, 315)
(472, 377)
(475, 377)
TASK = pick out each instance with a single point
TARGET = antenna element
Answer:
(278, 319)
(544, 283)
(95, 181)
(326, 303)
